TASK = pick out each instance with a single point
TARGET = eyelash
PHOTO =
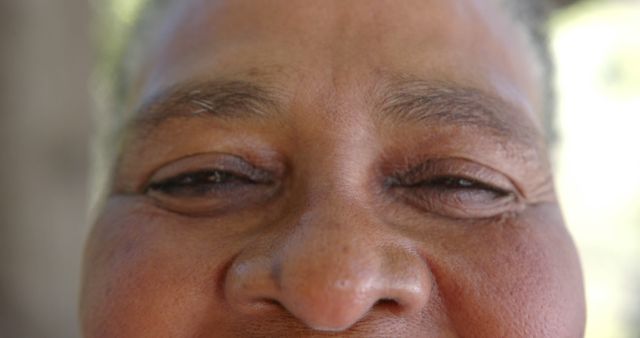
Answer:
(211, 182)
(459, 183)
(447, 188)
(200, 183)
(455, 189)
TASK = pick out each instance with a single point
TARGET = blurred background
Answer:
(53, 54)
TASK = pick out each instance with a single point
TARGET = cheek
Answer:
(144, 278)
(517, 278)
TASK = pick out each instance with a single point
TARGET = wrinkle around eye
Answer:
(460, 203)
(456, 188)
(208, 184)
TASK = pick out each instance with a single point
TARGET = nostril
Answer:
(268, 303)
(388, 304)
(260, 306)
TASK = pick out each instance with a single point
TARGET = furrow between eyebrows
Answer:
(234, 99)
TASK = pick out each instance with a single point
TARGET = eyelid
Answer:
(416, 183)
(249, 185)
(225, 162)
(196, 181)
(433, 168)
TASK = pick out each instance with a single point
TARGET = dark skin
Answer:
(334, 168)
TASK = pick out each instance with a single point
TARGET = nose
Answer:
(329, 269)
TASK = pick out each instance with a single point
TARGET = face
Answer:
(333, 168)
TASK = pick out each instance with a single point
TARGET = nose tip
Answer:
(333, 308)
(331, 295)
(337, 305)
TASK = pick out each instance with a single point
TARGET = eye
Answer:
(201, 183)
(461, 184)
(209, 184)
(457, 189)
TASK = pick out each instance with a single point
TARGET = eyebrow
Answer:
(220, 99)
(419, 101)
(409, 101)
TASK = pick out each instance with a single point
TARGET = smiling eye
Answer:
(454, 182)
(199, 183)
(460, 183)
(210, 184)
(456, 188)
(458, 197)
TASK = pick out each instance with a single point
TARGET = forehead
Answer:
(342, 46)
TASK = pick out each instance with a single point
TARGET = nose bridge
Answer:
(337, 230)
(336, 240)
(329, 271)
(331, 262)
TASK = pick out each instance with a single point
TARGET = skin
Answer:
(333, 168)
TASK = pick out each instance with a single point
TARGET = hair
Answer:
(119, 67)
